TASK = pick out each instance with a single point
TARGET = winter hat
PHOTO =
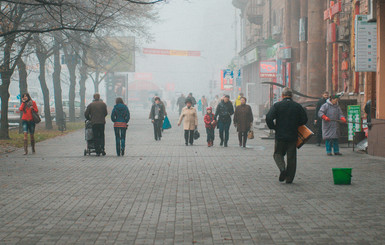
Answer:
(209, 108)
(334, 96)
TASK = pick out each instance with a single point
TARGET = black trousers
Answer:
(224, 128)
(281, 149)
(158, 124)
(242, 137)
(210, 134)
(98, 132)
(189, 136)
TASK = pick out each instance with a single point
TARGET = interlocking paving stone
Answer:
(167, 193)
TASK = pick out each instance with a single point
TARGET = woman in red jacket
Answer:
(26, 107)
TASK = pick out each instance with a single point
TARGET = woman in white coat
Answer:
(189, 116)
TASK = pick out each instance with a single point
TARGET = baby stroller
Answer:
(89, 137)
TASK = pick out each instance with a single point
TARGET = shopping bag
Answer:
(166, 123)
(196, 134)
(304, 134)
(250, 134)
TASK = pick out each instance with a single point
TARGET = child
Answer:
(210, 126)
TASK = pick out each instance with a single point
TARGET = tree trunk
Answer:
(23, 85)
(82, 83)
(303, 52)
(44, 88)
(6, 74)
(71, 57)
(96, 81)
(60, 120)
(4, 94)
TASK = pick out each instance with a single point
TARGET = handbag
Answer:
(250, 134)
(196, 134)
(304, 134)
(36, 117)
(166, 123)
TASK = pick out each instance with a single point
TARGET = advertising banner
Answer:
(354, 115)
(365, 44)
(268, 69)
(227, 79)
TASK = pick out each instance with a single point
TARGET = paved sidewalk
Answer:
(167, 193)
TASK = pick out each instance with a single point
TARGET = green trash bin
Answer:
(342, 176)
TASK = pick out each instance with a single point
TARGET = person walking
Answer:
(120, 116)
(157, 115)
(317, 119)
(223, 115)
(238, 100)
(288, 116)
(331, 114)
(192, 99)
(26, 107)
(210, 124)
(190, 122)
(243, 120)
(96, 112)
(181, 102)
(204, 104)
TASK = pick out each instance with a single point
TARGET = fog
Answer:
(199, 25)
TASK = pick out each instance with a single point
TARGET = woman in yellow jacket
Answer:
(190, 116)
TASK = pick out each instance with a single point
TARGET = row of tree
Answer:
(78, 30)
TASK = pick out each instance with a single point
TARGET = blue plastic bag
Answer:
(166, 123)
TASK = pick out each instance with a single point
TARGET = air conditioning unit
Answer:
(276, 30)
(372, 9)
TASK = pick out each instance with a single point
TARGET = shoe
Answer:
(329, 154)
(225, 144)
(338, 154)
(289, 181)
(221, 144)
(98, 154)
(122, 153)
(282, 176)
(33, 146)
(103, 153)
(186, 144)
(208, 144)
(191, 143)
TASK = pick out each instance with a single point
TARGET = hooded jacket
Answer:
(96, 112)
(120, 115)
(330, 130)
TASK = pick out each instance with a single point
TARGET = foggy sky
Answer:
(202, 25)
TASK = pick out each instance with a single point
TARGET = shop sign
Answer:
(333, 10)
(354, 116)
(303, 29)
(227, 79)
(250, 57)
(268, 69)
(365, 44)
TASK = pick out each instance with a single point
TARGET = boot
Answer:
(209, 144)
(25, 147)
(33, 145)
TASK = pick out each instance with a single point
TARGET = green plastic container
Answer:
(342, 176)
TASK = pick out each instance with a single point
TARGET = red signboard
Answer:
(171, 52)
(268, 69)
(331, 33)
(333, 10)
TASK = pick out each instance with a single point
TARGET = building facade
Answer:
(315, 46)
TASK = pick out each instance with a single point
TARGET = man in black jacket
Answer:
(288, 116)
(223, 115)
(317, 120)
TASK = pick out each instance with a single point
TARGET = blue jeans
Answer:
(120, 138)
(224, 128)
(28, 126)
(332, 143)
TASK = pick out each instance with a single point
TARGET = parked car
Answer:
(66, 109)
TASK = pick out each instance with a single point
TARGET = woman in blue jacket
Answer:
(120, 116)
